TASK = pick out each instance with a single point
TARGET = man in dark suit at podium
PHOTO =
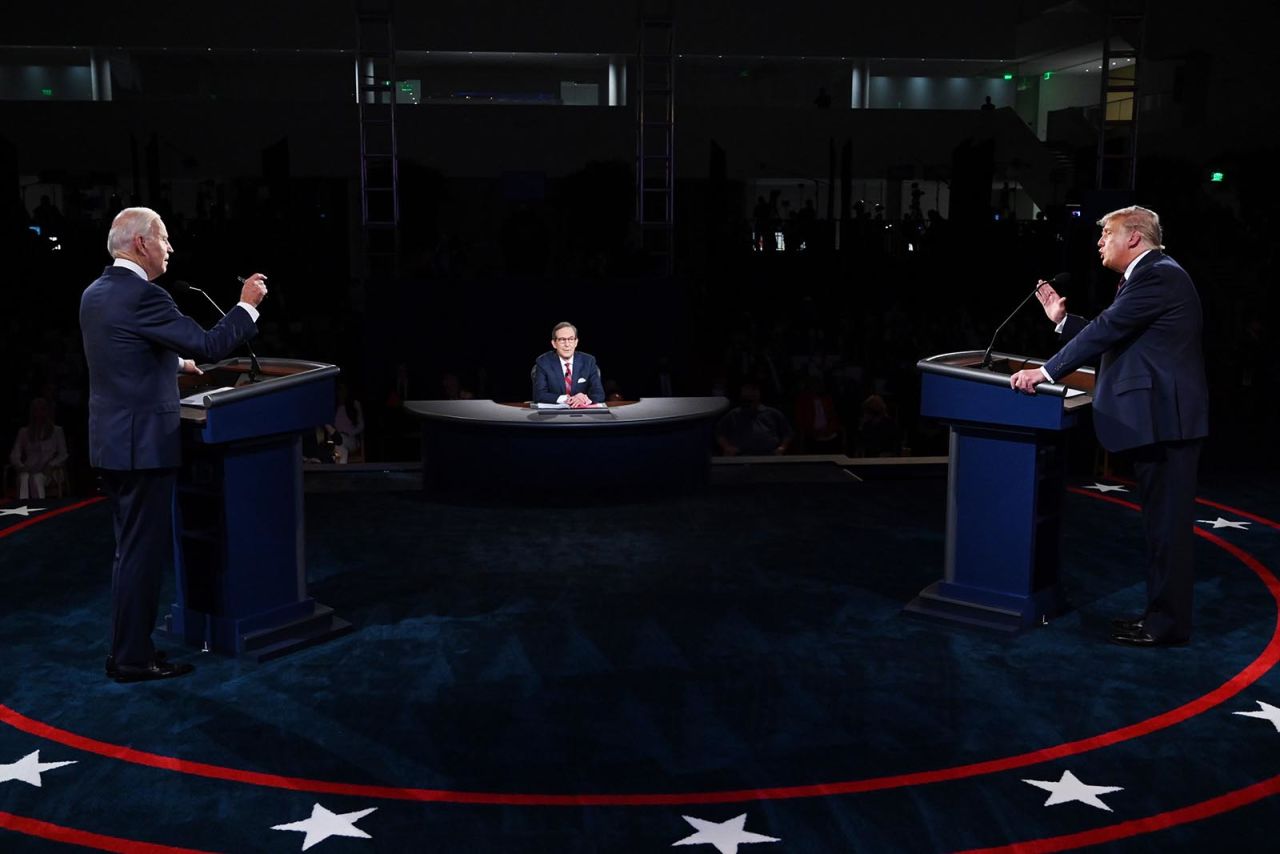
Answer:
(133, 335)
(563, 375)
(1151, 402)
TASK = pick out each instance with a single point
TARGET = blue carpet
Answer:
(727, 652)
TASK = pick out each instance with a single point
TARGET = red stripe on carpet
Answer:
(1238, 512)
(31, 520)
(85, 839)
(1136, 827)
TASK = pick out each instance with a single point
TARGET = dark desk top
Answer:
(650, 410)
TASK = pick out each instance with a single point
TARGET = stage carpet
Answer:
(724, 672)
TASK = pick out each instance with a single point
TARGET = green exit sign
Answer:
(48, 93)
(1216, 177)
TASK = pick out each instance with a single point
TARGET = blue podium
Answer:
(1005, 485)
(238, 513)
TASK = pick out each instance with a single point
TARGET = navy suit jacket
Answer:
(133, 335)
(1151, 381)
(548, 377)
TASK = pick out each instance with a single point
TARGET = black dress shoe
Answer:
(158, 668)
(1144, 638)
(1128, 625)
(157, 657)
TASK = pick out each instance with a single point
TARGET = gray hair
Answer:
(564, 324)
(128, 224)
(1142, 220)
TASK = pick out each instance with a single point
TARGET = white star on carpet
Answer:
(322, 824)
(24, 510)
(726, 836)
(1223, 523)
(28, 769)
(1069, 789)
(1268, 713)
(1104, 488)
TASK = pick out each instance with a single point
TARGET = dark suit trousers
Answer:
(142, 510)
(1166, 473)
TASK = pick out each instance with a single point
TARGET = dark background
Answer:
(238, 123)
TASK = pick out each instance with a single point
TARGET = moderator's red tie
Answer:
(568, 381)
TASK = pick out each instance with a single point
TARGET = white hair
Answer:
(128, 224)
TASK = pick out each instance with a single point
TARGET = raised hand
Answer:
(254, 290)
(1055, 305)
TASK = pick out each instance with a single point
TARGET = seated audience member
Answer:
(817, 422)
(877, 433)
(753, 428)
(39, 449)
(321, 445)
(563, 375)
(451, 387)
(348, 420)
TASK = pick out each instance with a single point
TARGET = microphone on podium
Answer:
(255, 370)
(1060, 280)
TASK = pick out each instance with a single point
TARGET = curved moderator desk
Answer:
(483, 446)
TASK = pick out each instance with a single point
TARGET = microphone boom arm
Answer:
(255, 370)
(1060, 279)
(986, 357)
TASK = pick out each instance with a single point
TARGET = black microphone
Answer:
(1060, 280)
(255, 370)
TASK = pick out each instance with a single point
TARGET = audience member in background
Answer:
(877, 434)
(39, 449)
(817, 422)
(321, 445)
(348, 420)
(450, 387)
(753, 428)
(394, 428)
(664, 382)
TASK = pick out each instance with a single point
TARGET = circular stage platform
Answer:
(726, 668)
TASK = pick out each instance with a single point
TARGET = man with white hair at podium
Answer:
(133, 335)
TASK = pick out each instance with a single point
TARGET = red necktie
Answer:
(1120, 284)
(568, 381)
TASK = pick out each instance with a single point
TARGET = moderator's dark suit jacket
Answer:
(1151, 381)
(133, 335)
(548, 377)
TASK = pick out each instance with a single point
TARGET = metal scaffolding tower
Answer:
(655, 133)
(1118, 100)
(379, 169)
